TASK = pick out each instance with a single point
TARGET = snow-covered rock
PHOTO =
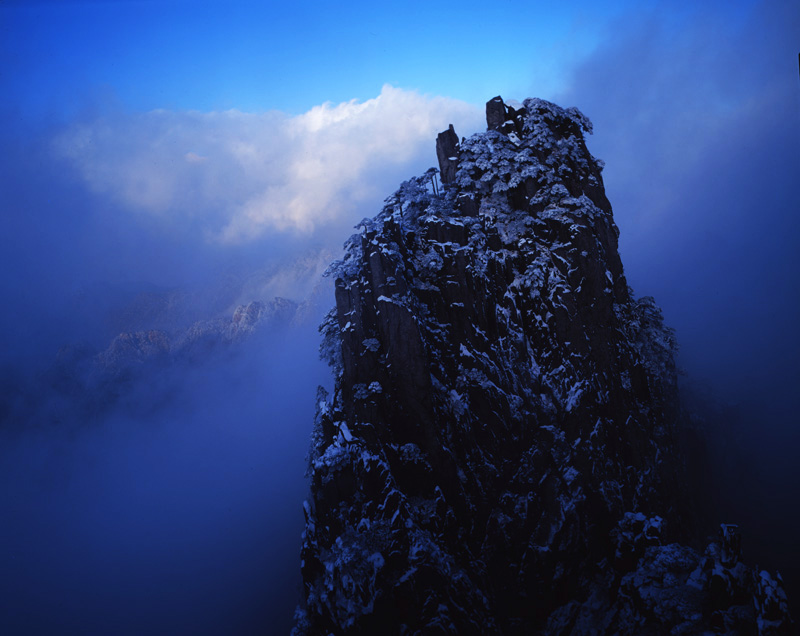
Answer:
(500, 452)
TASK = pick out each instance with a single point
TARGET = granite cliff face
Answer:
(501, 452)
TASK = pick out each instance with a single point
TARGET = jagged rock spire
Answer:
(495, 113)
(504, 118)
(447, 153)
(499, 455)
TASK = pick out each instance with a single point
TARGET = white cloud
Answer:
(237, 176)
(192, 157)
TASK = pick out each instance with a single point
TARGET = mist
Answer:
(175, 504)
(175, 517)
(169, 500)
(698, 120)
(172, 505)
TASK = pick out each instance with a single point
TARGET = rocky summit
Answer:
(501, 453)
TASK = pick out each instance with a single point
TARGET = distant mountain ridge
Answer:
(130, 349)
(501, 454)
(82, 383)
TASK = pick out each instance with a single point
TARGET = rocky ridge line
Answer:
(500, 454)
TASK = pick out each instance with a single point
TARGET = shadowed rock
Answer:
(447, 154)
(495, 113)
(500, 455)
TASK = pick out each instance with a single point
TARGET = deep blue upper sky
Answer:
(257, 56)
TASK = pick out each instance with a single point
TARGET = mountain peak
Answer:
(500, 451)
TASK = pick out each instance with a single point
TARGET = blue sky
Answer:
(177, 144)
(206, 127)
(257, 56)
(241, 102)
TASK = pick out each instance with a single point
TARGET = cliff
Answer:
(501, 452)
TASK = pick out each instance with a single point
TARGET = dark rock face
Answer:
(447, 154)
(495, 113)
(504, 118)
(500, 453)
